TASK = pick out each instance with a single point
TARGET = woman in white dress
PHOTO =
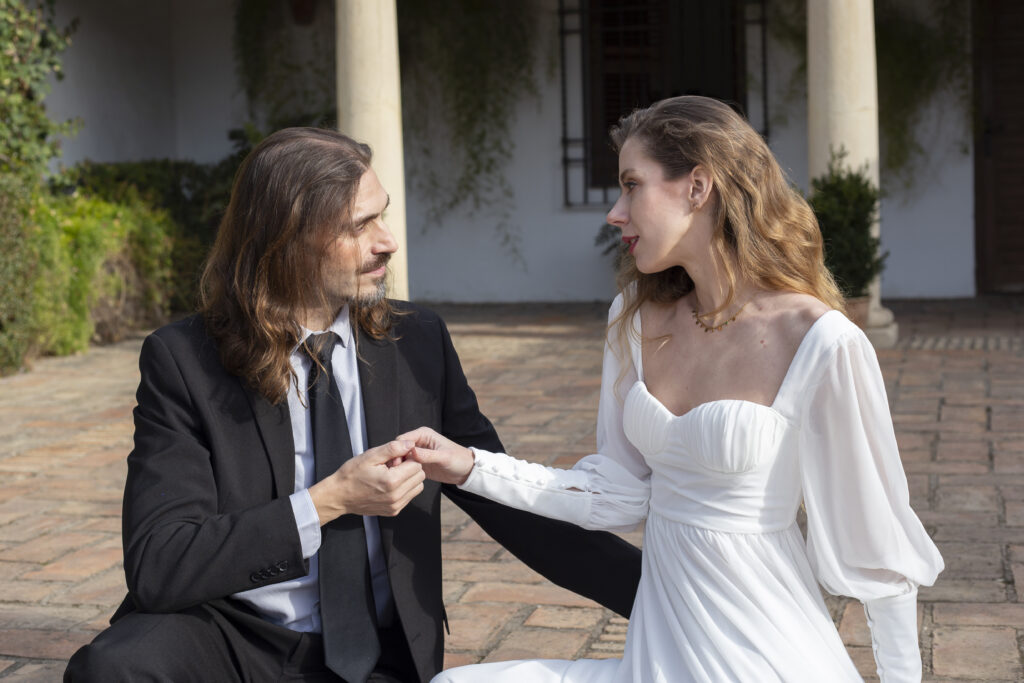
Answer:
(733, 389)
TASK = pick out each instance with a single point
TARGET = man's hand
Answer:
(443, 460)
(381, 482)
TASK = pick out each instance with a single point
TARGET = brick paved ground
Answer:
(956, 387)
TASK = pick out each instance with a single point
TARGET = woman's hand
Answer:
(443, 460)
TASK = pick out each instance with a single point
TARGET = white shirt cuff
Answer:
(307, 521)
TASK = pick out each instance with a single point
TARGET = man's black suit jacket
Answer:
(206, 510)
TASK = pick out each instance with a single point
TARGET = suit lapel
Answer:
(378, 380)
(275, 428)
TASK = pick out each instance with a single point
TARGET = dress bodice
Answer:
(712, 466)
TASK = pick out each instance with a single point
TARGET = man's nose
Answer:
(385, 242)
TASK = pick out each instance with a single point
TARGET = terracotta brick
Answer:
(550, 616)
(49, 546)
(78, 565)
(454, 659)
(971, 560)
(39, 672)
(955, 517)
(975, 652)
(1014, 513)
(946, 468)
(45, 617)
(472, 532)
(964, 590)
(17, 590)
(962, 413)
(42, 644)
(864, 659)
(107, 588)
(1009, 462)
(973, 451)
(853, 627)
(512, 572)
(532, 594)
(968, 498)
(473, 627)
(975, 614)
(464, 550)
(451, 591)
(31, 527)
(539, 643)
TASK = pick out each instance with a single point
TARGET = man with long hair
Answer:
(273, 529)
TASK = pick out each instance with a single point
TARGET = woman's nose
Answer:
(617, 216)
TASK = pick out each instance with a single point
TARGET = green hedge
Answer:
(102, 268)
(194, 196)
(17, 267)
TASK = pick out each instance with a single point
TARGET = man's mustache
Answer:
(379, 262)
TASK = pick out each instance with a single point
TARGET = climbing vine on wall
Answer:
(466, 64)
(285, 66)
(923, 56)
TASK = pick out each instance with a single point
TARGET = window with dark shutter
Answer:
(636, 52)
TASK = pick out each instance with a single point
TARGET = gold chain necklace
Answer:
(713, 328)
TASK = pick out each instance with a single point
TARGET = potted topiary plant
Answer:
(845, 202)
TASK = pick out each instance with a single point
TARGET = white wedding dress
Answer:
(729, 590)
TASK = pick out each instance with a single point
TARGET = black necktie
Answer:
(346, 595)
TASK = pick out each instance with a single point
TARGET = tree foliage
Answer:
(30, 47)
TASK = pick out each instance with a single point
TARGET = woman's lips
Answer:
(630, 242)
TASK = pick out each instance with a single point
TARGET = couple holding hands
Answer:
(733, 391)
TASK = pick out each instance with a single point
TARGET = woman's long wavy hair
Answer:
(293, 195)
(763, 228)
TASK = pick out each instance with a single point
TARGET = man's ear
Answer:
(701, 185)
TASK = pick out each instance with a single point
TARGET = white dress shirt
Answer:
(295, 604)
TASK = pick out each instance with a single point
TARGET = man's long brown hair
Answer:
(292, 197)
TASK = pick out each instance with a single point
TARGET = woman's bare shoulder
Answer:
(794, 313)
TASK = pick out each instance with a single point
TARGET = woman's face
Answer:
(656, 216)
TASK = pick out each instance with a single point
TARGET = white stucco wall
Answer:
(118, 80)
(207, 101)
(148, 80)
(463, 260)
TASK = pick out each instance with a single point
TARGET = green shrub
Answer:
(103, 267)
(846, 204)
(194, 195)
(17, 266)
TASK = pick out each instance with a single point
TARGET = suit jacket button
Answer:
(254, 577)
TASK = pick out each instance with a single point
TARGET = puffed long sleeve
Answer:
(863, 538)
(608, 490)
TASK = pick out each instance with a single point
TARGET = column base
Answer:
(883, 336)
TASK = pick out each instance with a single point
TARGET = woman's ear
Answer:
(701, 185)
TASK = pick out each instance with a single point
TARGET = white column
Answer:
(370, 106)
(842, 104)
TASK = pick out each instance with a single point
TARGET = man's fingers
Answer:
(423, 436)
(405, 470)
(404, 493)
(381, 455)
(426, 456)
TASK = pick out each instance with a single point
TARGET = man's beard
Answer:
(379, 291)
